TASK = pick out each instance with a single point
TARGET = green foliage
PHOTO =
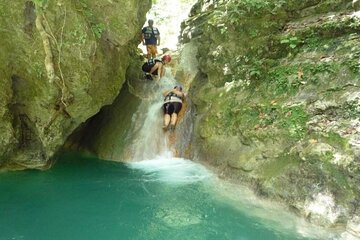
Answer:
(236, 9)
(354, 66)
(353, 63)
(324, 67)
(279, 80)
(40, 3)
(254, 32)
(256, 7)
(38, 70)
(264, 117)
(337, 178)
(250, 69)
(354, 23)
(335, 140)
(291, 41)
(351, 109)
(79, 35)
(288, 79)
(96, 27)
(294, 120)
(223, 30)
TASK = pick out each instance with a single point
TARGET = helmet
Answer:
(167, 58)
(178, 87)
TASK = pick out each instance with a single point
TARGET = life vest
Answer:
(146, 67)
(151, 32)
(152, 61)
(172, 97)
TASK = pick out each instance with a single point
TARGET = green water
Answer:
(86, 198)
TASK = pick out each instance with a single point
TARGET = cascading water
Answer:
(149, 140)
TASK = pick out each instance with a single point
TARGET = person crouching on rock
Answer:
(172, 106)
(156, 67)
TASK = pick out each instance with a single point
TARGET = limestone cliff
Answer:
(277, 98)
(61, 61)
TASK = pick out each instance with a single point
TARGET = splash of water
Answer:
(171, 170)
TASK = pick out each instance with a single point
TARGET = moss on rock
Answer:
(85, 46)
(277, 87)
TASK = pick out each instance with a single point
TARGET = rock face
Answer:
(277, 98)
(61, 61)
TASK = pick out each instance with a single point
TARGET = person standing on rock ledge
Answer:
(151, 38)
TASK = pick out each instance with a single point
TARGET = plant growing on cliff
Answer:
(294, 119)
(283, 80)
(291, 42)
(40, 3)
(237, 8)
(96, 27)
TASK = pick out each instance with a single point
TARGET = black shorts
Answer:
(172, 107)
(147, 68)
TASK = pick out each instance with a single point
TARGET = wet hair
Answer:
(166, 57)
(179, 87)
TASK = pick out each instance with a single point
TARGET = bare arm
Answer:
(166, 93)
(143, 38)
(177, 92)
(180, 94)
(161, 71)
(156, 66)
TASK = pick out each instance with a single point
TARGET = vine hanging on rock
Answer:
(47, 38)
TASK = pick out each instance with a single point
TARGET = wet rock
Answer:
(322, 209)
(353, 226)
(86, 47)
(301, 55)
(356, 5)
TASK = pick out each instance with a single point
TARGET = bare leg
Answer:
(173, 119)
(166, 120)
(148, 55)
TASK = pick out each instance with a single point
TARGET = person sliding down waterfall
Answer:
(155, 67)
(172, 106)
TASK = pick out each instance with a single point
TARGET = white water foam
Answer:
(273, 215)
(171, 170)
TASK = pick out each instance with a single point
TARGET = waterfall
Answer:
(149, 139)
(153, 150)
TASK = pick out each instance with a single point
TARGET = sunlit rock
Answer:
(322, 209)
